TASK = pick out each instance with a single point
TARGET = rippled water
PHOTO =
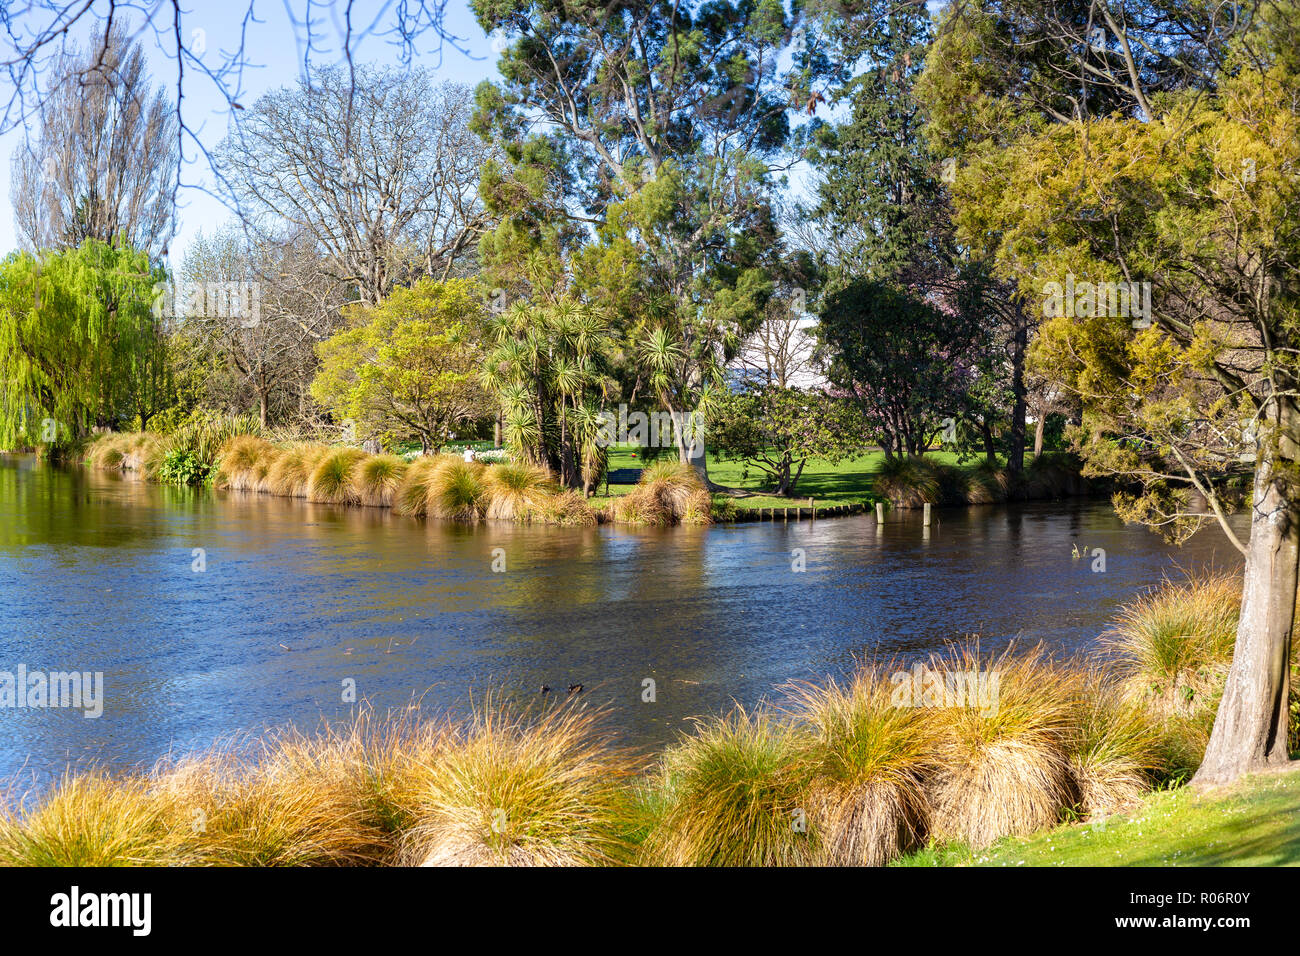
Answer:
(96, 574)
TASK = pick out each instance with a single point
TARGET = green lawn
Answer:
(848, 482)
(1256, 823)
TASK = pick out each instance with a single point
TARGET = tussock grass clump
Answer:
(985, 484)
(244, 462)
(291, 471)
(91, 819)
(1004, 770)
(411, 496)
(287, 802)
(377, 479)
(909, 482)
(733, 794)
(1115, 749)
(1174, 643)
(568, 509)
(333, 480)
(868, 760)
(457, 491)
(106, 451)
(668, 492)
(517, 491)
(519, 788)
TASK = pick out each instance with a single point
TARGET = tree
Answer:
(549, 370)
(664, 120)
(379, 173)
(409, 367)
(105, 162)
(776, 429)
(1147, 201)
(259, 307)
(79, 343)
(883, 198)
(903, 360)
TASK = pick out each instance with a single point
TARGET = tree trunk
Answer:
(1250, 729)
(1016, 439)
(990, 446)
(1040, 429)
(261, 408)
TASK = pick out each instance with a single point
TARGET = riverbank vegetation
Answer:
(863, 770)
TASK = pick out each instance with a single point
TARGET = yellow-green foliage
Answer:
(456, 491)
(91, 819)
(523, 789)
(334, 480)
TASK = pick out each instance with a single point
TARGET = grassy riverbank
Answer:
(1254, 823)
(225, 454)
(925, 762)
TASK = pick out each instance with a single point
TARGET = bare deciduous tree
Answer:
(382, 174)
(106, 159)
(261, 309)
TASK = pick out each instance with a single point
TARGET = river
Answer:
(214, 613)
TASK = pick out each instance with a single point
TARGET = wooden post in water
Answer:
(880, 512)
(925, 515)
(812, 506)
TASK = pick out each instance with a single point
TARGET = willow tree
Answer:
(1165, 173)
(80, 345)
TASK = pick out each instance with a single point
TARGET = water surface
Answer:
(97, 574)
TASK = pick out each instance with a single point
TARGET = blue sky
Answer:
(274, 52)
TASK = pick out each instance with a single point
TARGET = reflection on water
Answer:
(96, 574)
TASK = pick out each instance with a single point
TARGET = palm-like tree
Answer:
(550, 372)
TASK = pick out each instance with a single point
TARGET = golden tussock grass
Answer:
(1115, 749)
(377, 479)
(732, 793)
(291, 469)
(1004, 771)
(517, 491)
(867, 762)
(334, 479)
(457, 491)
(512, 787)
(668, 492)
